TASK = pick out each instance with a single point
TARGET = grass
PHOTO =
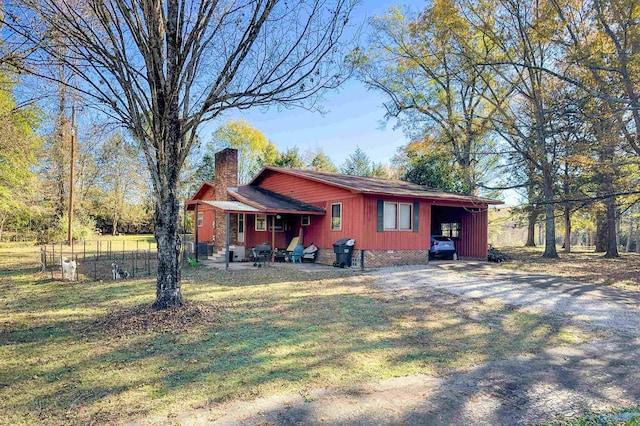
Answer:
(587, 267)
(624, 417)
(78, 353)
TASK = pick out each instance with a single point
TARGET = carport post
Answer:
(226, 244)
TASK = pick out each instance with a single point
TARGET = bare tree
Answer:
(163, 67)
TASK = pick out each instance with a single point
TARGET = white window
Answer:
(398, 216)
(241, 227)
(240, 223)
(261, 222)
(306, 220)
(405, 222)
(200, 218)
(390, 216)
(336, 216)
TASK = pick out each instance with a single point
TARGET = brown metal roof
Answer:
(370, 185)
(270, 202)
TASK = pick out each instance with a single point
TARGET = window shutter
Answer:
(416, 216)
(380, 215)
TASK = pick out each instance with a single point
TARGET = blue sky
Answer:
(354, 116)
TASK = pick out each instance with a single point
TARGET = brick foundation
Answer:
(378, 258)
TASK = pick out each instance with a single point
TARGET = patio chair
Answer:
(296, 255)
(292, 245)
(310, 252)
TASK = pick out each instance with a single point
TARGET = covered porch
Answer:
(253, 217)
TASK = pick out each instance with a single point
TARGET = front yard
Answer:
(93, 353)
(583, 266)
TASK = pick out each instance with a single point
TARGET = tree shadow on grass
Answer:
(269, 339)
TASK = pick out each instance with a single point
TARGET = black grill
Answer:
(261, 254)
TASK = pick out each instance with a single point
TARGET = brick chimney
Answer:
(226, 172)
(225, 176)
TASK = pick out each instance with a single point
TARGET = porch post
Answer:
(195, 232)
(273, 239)
(226, 243)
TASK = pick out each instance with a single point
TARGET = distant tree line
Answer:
(542, 97)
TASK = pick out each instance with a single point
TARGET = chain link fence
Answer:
(100, 260)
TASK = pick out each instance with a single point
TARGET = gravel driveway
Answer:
(559, 382)
(594, 307)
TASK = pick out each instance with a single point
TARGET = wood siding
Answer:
(474, 234)
(205, 232)
(320, 232)
(253, 237)
(305, 190)
(372, 239)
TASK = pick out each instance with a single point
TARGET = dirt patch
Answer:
(143, 319)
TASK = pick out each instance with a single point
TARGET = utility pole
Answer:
(72, 175)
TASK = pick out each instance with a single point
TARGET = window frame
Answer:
(242, 223)
(260, 218)
(241, 220)
(339, 217)
(385, 217)
(305, 220)
(453, 228)
(200, 219)
(273, 221)
(398, 214)
(410, 228)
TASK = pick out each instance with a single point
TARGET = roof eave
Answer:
(205, 183)
(457, 197)
(246, 200)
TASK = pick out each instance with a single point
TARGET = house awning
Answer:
(255, 200)
(272, 203)
(224, 206)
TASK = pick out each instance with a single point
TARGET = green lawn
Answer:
(90, 352)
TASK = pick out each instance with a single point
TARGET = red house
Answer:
(390, 220)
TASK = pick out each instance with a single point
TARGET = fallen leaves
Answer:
(143, 319)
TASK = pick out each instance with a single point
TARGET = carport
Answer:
(466, 225)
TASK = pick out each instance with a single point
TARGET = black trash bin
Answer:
(203, 250)
(343, 249)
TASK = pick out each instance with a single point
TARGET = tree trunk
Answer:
(549, 219)
(601, 233)
(612, 240)
(3, 219)
(627, 247)
(567, 229)
(168, 292)
(532, 218)
(167, 215)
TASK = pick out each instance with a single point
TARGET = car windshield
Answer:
(442, 238)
